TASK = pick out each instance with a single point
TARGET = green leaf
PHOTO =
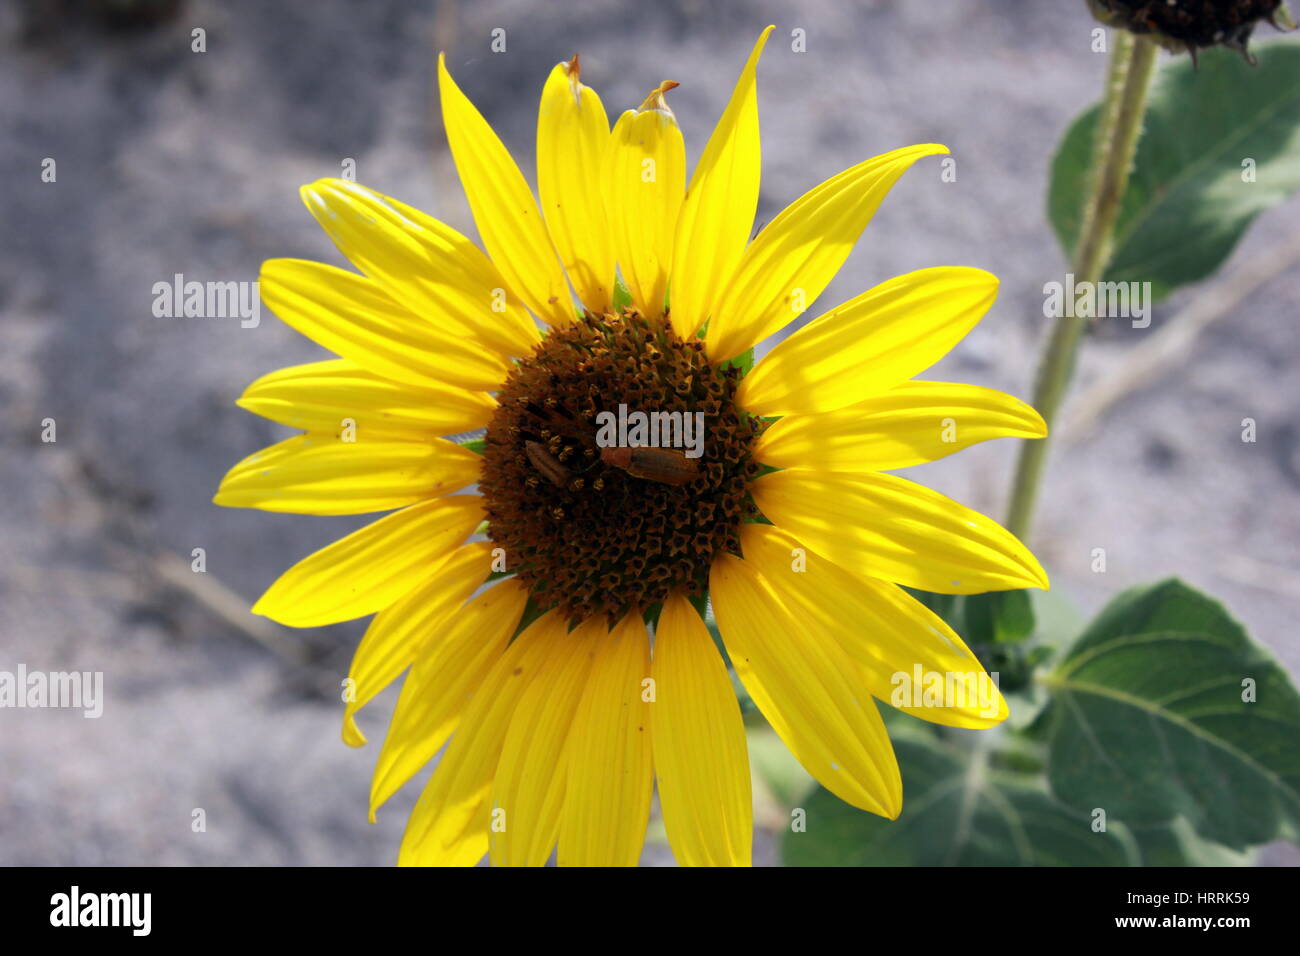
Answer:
(477, 445)
(744, 361)
(1177, 844)
(957, 811)
(622, 295)
(1005, 616)
(998, 617)
(1187, 204)
(1147, 721)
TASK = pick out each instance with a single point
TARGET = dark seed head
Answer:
(604, 541)
(1191, 24)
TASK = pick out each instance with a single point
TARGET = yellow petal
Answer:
(698, 739)
(572, 137)
(427, 266)
(871, 343)
(898, 642)
(529, 786)
(805, 686)
(450, 821)
(458, 653)
(889, 528)
(448, 840)
(352, 316)
(912, 423)
(504, 209)
(718, 214)
(372, 567)
(790, 262)
(645, 181)
(320, 475)
(395, 636)
(610, 775)
(326, 396)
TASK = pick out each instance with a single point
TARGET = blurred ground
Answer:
(173, 161)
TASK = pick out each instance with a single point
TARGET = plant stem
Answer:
(1115, 139)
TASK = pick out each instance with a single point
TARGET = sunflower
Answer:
(558, 712)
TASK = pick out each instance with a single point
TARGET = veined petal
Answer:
(572, 137)
(610, 777)
(504, 209)
(790, 262)
(424, 264)
(698, 738)
(870, 343)
(529, 786)
(718, 213)
(900, 645)
(912, 423)
(889, 528)
(320, 475)
(351, 315)
(451, 819)
(803, 683)
(645, 181)
(395, 636)
(459, 651)
(446, 840)
(324, 396)
(372, 567)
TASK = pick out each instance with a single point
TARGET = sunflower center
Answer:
(616, 466)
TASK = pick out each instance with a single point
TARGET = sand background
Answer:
(170, 161)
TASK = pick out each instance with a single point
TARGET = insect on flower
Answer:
(545, 462)
(667, 465)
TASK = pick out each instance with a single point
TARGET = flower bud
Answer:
(1193, 24)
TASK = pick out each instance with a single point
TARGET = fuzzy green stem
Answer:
(1132, 62)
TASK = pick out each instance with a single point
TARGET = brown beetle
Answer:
(669, 466)
(545, 462)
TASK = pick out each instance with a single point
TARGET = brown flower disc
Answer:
(589, 537)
